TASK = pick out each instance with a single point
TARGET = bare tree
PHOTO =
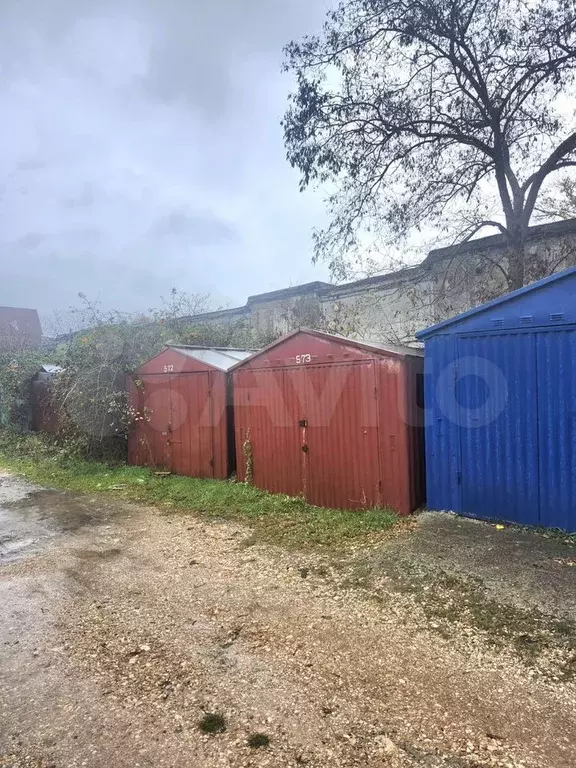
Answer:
(560, 201)
(415, 109)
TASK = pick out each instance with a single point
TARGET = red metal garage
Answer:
(183, 399)
(334, 419)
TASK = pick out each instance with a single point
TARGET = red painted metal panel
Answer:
(267, 414)
(190, 428)
(183, 422)
(220, 413)
(19, 328)
(176, 431)
(313, 348)
(333, 421)
(149, 442)
(170, 361)
(342, 435)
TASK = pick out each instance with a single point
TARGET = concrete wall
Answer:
(394, 306)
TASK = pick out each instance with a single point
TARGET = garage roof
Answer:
(218, 357)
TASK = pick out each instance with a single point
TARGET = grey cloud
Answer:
(142, 149)
(30, 241)
(84, 197)
(198, 229)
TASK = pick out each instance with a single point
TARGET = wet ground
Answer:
(121, 627)
(530, 569)
(31, 516)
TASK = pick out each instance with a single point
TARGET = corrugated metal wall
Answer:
(341, 426)
(185, 429)
(500, 397)
(496, 404)
(443, 476)
(342, 435)
(267, 415)
(556, 354)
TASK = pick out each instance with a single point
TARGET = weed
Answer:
(258, 740)
(450, 602)
(276, 518)
(212, 723)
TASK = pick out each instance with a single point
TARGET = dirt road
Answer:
(121, 627)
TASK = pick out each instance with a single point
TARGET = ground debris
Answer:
(143, 649)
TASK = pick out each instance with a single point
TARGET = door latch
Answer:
(303, 423)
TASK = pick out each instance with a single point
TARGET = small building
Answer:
(19, 329)
(500, 398)
(332, 419)
(184, 415)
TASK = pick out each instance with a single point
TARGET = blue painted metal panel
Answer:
(557, 427)
(496, 394)
(442, 434)
(520, 464)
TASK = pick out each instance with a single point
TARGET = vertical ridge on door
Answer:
(557, 427)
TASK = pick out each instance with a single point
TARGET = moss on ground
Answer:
(452, 602)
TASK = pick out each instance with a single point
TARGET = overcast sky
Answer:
(141, 149)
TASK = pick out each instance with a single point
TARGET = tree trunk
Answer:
(516, 265)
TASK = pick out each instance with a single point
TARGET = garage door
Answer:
(342, 436)
(557, 427)
(496, 408)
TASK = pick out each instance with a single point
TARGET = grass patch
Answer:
(277, 518)
(258, 740)
(212, 723)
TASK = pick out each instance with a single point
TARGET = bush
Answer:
(88, 397)
(16, 372)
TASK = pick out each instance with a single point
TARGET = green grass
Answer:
(258, 740)
(212, 723)
(277, 518)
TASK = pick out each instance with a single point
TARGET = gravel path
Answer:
(118, 634)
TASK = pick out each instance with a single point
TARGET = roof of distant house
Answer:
(20, 325)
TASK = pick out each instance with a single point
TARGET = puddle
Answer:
(31, 516)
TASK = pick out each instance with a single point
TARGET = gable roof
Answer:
(222, 358)
(507, 297)
(371, 346)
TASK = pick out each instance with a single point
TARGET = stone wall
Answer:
(392, 307)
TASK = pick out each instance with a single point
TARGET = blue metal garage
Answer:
(500, 393)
